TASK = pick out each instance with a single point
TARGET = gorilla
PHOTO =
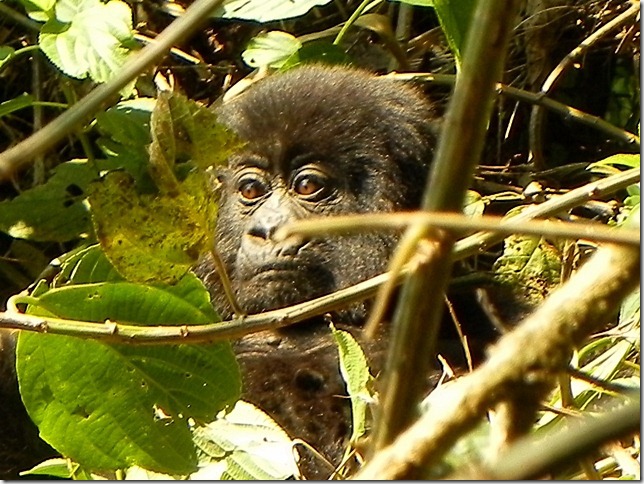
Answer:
(319, 141)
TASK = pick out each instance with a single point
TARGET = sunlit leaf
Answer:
(88, 38)
(270, 49)
(355, 372)
(266, 10)
(244, 444)
(114, 406)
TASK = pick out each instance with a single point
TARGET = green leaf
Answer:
(244, 444)
(39, 10)
(114, 406)
(88, 38)
(86, 266)
(317, 51)
(20, 102)
(608, 166)
(527, 271)
(474, 206)
(266, 10)
(148, 237)
(355, 372)
(103, 413)
(125, 135)
(6, 53)
(198, 136)
(529, 265)
(270, 49)
(455, 17)
(54, 211)
(186, 302)
(52, 467)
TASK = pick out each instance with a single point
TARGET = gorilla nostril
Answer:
(260, 232)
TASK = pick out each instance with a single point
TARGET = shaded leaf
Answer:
(6, 54)
(125, 135)
(454, 17)
(20, 102)
(54, 211)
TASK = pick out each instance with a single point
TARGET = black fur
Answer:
(373, 138)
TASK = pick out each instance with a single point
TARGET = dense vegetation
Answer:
(106, 202)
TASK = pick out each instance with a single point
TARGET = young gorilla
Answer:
(319, 141)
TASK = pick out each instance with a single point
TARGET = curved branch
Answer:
(536, 118)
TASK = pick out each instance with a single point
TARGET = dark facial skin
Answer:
(319, 141)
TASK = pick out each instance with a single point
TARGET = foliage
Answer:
(128, 205)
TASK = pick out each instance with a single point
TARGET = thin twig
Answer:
(347, 224)
(539, 99)
(536, 118)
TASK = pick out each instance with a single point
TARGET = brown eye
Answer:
(250, 189)
(309, 184)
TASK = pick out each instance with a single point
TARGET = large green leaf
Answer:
(111, 407)
(152, 237)
(115, 406)
(158, 236)
(88, 38)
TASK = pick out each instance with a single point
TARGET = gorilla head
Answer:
(319, 141)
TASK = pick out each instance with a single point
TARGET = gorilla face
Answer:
(319, 141)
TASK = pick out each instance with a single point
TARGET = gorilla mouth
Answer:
(283, 283)
(284, 270)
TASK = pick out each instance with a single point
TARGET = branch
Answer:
(19, 155)
(536, 118)
(346, 224)
(538, 99)
(536, 348)
(116, 332)
(532, 456)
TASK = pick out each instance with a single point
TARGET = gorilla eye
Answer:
(310, 184)
(251, 188)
